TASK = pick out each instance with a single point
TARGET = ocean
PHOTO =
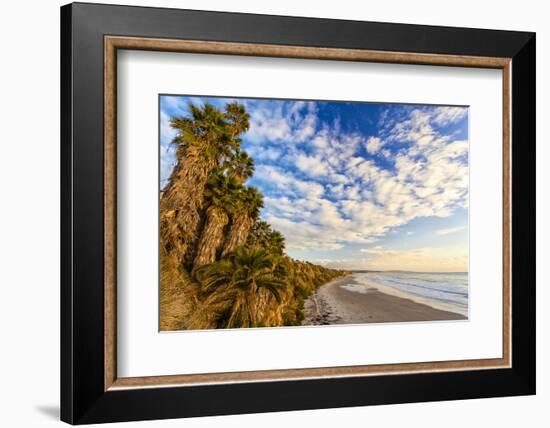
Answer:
(446, 291)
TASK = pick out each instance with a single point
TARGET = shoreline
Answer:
(333, 304)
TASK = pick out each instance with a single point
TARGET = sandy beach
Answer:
(333, 304)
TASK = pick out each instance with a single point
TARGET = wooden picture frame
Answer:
(91, 390)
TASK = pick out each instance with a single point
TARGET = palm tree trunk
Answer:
(238, 234)
(212, 236)
(181, 204)
(177, 296)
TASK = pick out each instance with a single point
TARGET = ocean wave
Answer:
(439, 290)
(443, 289)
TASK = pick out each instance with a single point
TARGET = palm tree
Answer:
(206, 210)
(259, 233)
(240, 166)
(246, 211)
(239, 118)
(204, 140)
(220, 193)
(238, 280)
(276, 242)
(262, 235)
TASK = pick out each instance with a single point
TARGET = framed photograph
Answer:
(266, 213)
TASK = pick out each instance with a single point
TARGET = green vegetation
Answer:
(220, 265)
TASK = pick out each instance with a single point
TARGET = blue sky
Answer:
(355, 185)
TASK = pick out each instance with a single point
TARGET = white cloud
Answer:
(416, 128)
(311, 165)
(278, 122)
(271, 128)
(263, 153)
(303, 235)
(366, 201)
(446, 115)
(320, 141)
(323, 194)
(449, 231)
(286, 182)
(386, 153)
(373, 145)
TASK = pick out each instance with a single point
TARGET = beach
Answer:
(339, 302)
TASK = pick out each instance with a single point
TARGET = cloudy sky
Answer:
(356, 185)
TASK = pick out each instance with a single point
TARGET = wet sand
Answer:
(332, 304)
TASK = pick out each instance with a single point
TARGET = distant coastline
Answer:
(349, 301)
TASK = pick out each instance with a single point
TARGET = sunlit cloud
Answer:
(328, 186)
(449, 231)
(422, 259)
